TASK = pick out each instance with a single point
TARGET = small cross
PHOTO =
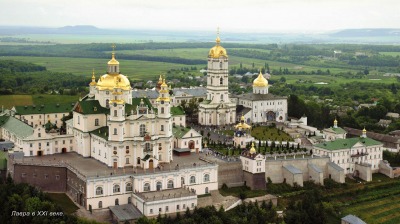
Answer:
(217, 31)
(113, 47)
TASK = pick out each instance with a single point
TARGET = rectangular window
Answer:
(151, 211)
(31, 145)
(46, 176)
(192, 205)
(177, 207)
(184, 206)
(166, 208)
(31, 153)
(47, 144)
(57, 177)
(159, 209)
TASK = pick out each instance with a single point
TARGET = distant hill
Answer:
(80, 29)
(367, 33)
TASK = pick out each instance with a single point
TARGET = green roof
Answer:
(347, 143)
(44, 108)
(337, 130)
(3, 120)
(179, 132)
(17, 127)
(146, 157)
(101, 132)
(90, 106)
(175, 111)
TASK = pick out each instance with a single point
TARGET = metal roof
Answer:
(352, 219)
(315, 168)
(17, 127)
(292, 169)
(335, 166)
(126, 212)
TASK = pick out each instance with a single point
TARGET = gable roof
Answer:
(44, 108)
(347, 143)
(373, 135)
(17, 127)
(101, 132)
(175, 111)
(179, 132)
(352, 219)
(90, 106)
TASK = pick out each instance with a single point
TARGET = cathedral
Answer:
(217, 109)
(119, 130)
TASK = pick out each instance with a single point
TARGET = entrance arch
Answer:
(271, 116)
(151, 164)
(191, 144)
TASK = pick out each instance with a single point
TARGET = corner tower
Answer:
(217, 108)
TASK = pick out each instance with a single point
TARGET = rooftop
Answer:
(175, 111)
(45, 108)
(352, 219)
(125, 212)
(17, 127)
(347, 143)
(165, 194)
(292, 169)
(337, 130)
(258, 97)
(92, 168)
(179, 132)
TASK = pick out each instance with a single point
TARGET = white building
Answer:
(261, 106)
(347, 153)
(333, 133)
(217, 109)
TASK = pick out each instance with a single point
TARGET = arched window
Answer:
(99, 191)
(162, 110)
(128, 187)
(116, 188)
(100, 204)
(96, 122)
(147, 146)
(182, 180)
(146, 187)
(115, 131)
(142, 129)
(206, 191)
(162, 127)
(170, 184)
(220, 64)
(206, 177)
(192, 179)
(222, 97)
(116, 201)
(221, 81)
(159, 186)
(107, 103)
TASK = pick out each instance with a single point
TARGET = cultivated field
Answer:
(8, 101)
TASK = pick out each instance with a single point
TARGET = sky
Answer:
(229, 15)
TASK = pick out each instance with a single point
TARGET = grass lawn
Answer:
(8, 101)
(270, 133)
(133, 69)
(229, 132)
(394, 54)
(64, 201)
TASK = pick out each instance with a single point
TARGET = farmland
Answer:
(8, 101)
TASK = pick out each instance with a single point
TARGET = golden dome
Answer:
(113, 61)
(252, 150)
(160, 80)
(109, 82)
(164, 84)
(260, 81)
(217, 51)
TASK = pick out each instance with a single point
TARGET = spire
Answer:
(113, 61)
(252, 150)
(93, 83)
(218, 40)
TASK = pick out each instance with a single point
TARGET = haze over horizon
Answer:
(231, 15)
